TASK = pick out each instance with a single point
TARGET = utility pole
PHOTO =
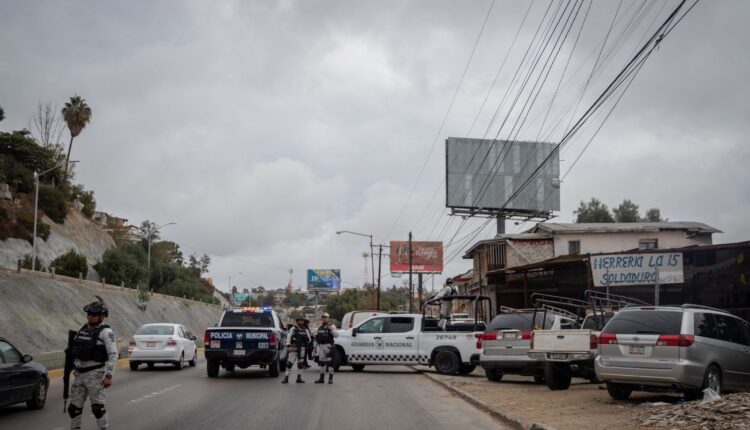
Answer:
(419, 289)
(411, 285)
(380, 263)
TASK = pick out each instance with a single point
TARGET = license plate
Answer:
(216, 344)
(239, 352)
(263, 345)
(634, 349)
(558, 356)
(509, 336)
(238, 345)
(150, 344)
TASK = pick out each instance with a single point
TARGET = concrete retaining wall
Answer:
(36, 312)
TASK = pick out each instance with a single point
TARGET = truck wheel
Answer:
(619, 391)
(338, 358)
(557, 376)
(212, 368)
(273, 368)
(465, 369)
(493, 375)
(358, 367)
(446, 362)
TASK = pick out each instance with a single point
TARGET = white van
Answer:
(353, 318)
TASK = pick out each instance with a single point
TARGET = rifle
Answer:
(68, 367)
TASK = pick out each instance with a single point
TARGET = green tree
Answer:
(76, 114)
(70, 264)
(198, 265)
(124, 264)
(627, 212)
(654, 215)
(86, 198)
(593, 211)
(2, 113)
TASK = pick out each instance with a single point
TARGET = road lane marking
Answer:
(154, 394)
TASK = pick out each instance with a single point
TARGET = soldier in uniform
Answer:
(446, 306)
(324, 338)
(295, 345)
(95, 355)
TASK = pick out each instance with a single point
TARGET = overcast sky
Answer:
(262, 127)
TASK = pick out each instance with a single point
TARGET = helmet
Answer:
(96, 308)
(449, 281)
(326, 315)
(298, 319)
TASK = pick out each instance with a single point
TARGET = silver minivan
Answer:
(669, 348)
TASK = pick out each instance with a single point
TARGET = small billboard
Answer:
(323, 279)
(637, 269)
(427, 257)
(485, 175)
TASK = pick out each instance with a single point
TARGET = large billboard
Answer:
(637, 269)
(483, 175)
(427, 257)
(324, 279)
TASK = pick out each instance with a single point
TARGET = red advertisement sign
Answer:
(427, 257)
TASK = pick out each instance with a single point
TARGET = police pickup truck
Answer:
(243, 338)
(411, 339)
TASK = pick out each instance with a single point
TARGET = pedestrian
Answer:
(324, 338)
(295, 345)
(308, 346)
(94, 353)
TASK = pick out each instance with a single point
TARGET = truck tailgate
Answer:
(561, 340)
(240, 339)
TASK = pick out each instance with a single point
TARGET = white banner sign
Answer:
(637, 269)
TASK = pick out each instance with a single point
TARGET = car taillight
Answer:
(206, 339)
(607, 339)
(171, 342)
(272, 338)
(132, 341)
(526, 335)
(594, 342)
(487, 335)
(681, 340)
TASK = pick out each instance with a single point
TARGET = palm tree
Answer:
(77, 114)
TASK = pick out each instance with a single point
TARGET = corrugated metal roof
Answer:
(553, 227)
(503, 238)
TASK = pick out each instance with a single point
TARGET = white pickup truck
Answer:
(410, 339)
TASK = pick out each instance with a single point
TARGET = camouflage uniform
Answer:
(295, 343)
(324, 337)
(89, 383)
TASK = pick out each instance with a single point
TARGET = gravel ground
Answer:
(583, 406)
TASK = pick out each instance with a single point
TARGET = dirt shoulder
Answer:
(583, 406)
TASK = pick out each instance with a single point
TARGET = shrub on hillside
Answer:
(52, 202)
(26, 263)
(25, 219)
(86, 198)
(124, 264)
(70, 264)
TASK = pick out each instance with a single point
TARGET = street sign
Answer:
(637, 269)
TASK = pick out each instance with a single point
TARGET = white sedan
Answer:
(162, 343)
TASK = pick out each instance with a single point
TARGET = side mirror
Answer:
(192, 337)
(27, 358)
(354, 332)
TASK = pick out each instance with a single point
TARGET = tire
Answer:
(151, 365)
(338, 359)
(179, 364)
(493, 375)
(134, 365)
(194, 361)
(465, 369)
(557, 376)
(619, 391)
(446, 362)
(230, 367)
(212, 368)
(358, 367)
(274, 368)
(39, 398)
(712, 379)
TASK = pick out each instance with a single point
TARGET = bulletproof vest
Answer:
(84, 345)
(298, 336)
(324, 335)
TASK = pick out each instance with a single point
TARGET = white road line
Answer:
(154, 394)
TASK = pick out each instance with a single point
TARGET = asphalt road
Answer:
(381, 397)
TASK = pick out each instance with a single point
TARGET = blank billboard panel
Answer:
(483, 174)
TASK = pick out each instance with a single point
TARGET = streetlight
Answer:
(36, 205)
(230, 280)
(148, 239)
(372, 259)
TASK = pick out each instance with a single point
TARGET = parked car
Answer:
(674, 348)
(354, 318)
(506, 342)
(162, 343)
(21, 378)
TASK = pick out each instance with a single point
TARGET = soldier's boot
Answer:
(286, 380)
(299, 379)
(321, 379)
(330, 378)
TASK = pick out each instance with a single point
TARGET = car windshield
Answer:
(645, 322)
(519, 321)
(166, 330)
(247, 319)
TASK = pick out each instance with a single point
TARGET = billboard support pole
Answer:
(419, 289)
(316, 305)
(411, 285)
(380, 263)
(656, 287)
(500, 224)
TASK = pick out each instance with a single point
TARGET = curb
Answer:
(485, 407)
